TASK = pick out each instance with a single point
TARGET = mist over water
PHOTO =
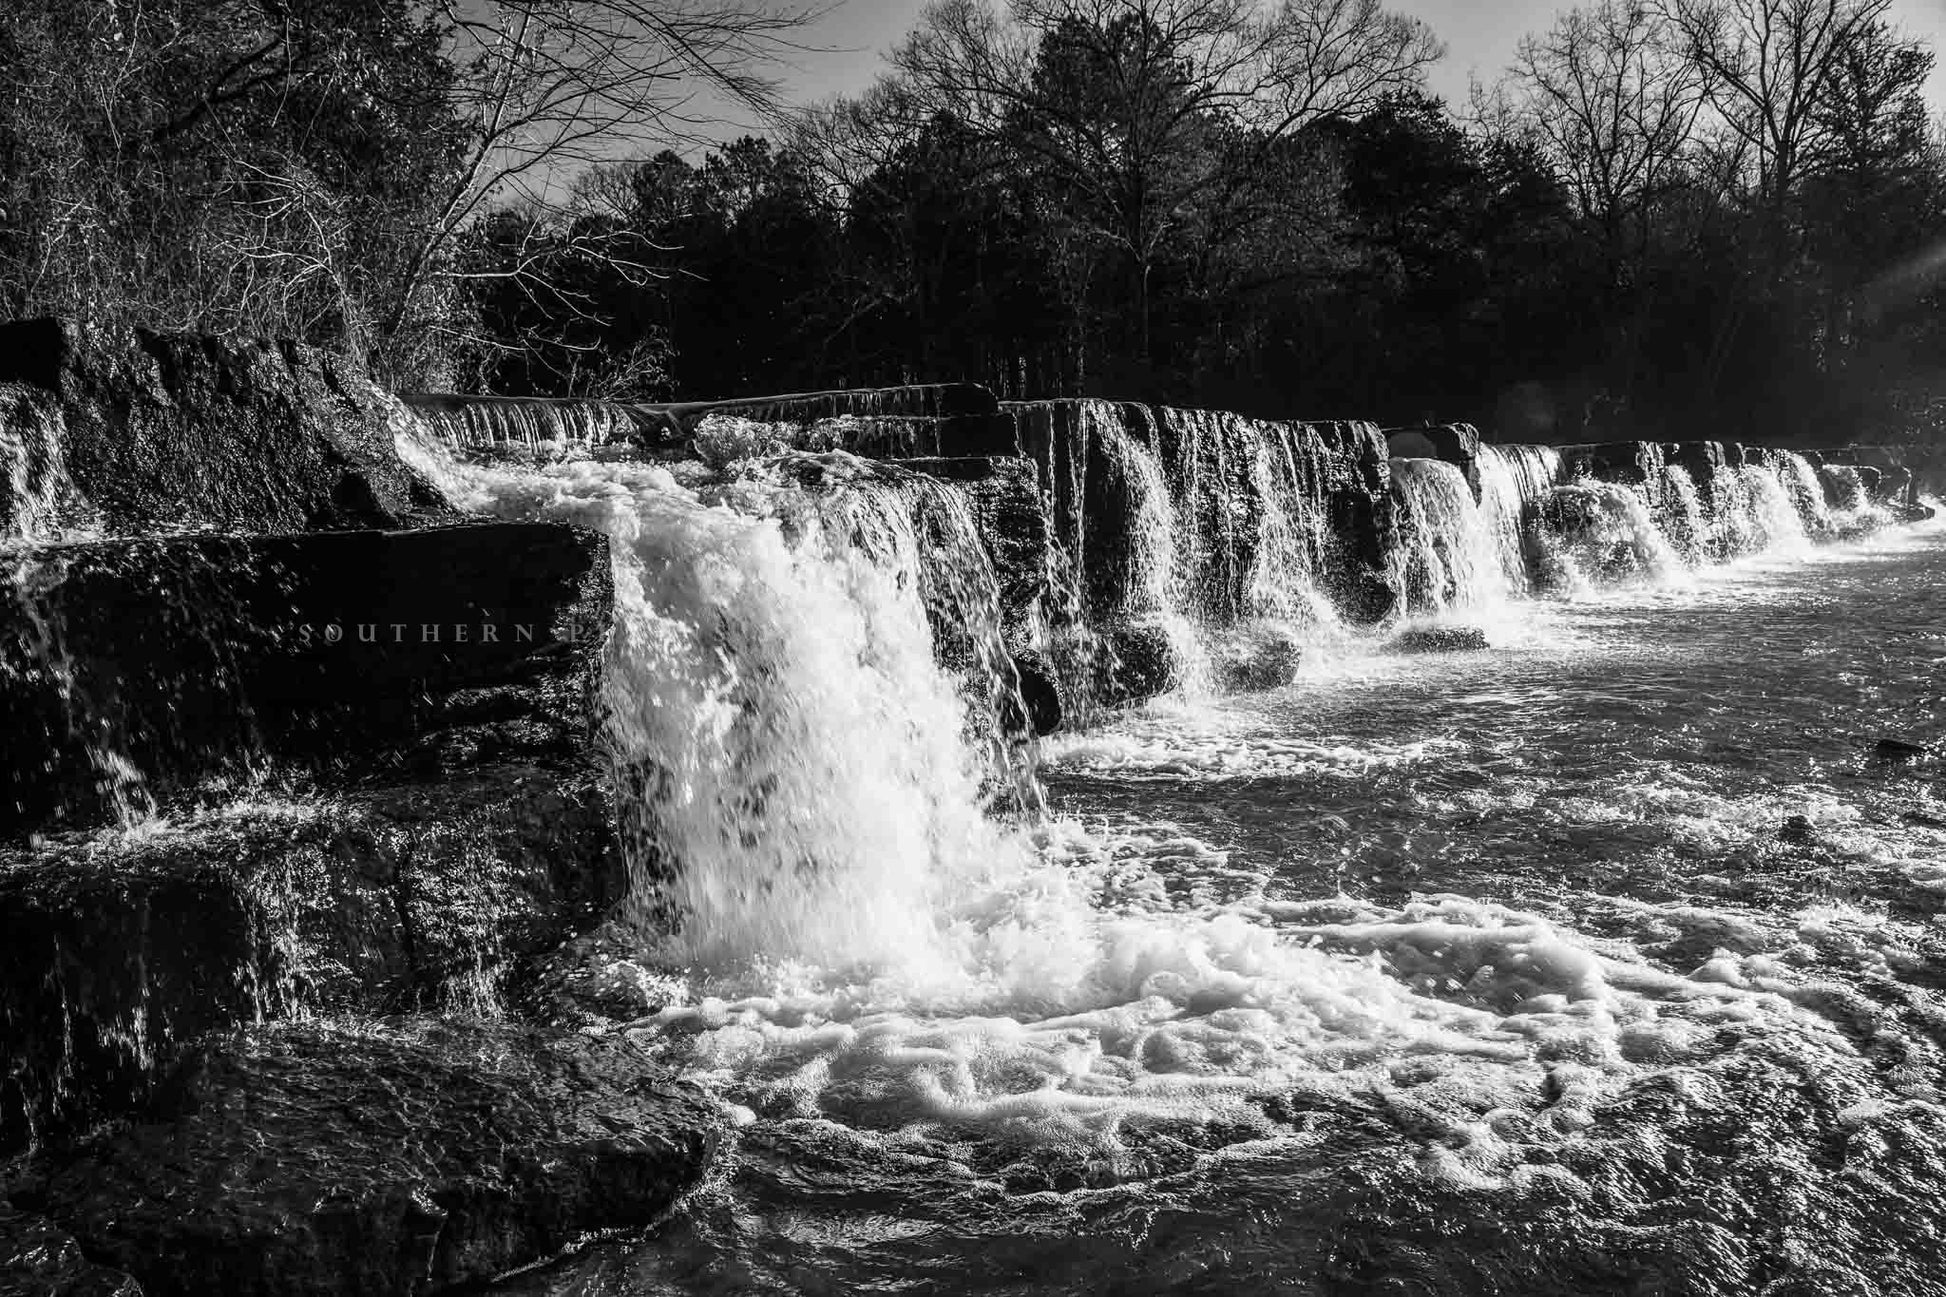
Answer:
(1431, 950)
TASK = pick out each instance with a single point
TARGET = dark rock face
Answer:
(118, 953)
(396, 1158)
(1700, 459)
(143, 667)
(1629, 463)
(137, 431)
(38, 1260)
(1040, 710)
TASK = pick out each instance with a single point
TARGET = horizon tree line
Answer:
(1668, 218)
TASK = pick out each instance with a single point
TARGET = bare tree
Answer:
(1770, 65)
(1136, 110)
(552, 86)
(1613, 105)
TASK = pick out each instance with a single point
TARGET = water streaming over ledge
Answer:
(1263, 950)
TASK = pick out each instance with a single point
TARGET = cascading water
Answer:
(1683, 520)
(1806, 493)
(38, 505)
(542, 429)
(1449, 554)
(793, 757)
(1590, 533)
(1752, 512)
(1512, 478)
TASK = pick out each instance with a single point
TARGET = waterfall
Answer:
(1806, 493)
(793, 757)
(1449, 555)
(1511, 479)
(1681, 515)
(1589, 533)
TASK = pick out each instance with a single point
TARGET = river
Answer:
(1601, 960)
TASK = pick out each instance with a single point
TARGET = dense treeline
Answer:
(1670, 215)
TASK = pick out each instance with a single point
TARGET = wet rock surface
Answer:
(141, 668)
(39, 1260)
(119, 952)
(129, 430)
(405, 1156)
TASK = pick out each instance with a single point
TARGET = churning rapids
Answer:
(1601, 960)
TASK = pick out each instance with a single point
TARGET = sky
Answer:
(1480, 36)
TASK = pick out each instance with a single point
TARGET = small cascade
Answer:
(35, 649)
(1511, 479)
(39, 502)
(1806, 493)
(1752, 512)
(1681, 515)
(1591, 533)
(1448, 557)
(530, 428)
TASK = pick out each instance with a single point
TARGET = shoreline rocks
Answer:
(127, 431)
(401, 1156)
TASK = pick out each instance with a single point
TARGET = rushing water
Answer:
(1601, 961)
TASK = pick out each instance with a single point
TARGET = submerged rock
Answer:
(1262, 658)
(1899, 750)
(1439, 639)
(136, 431)
(310, 1160)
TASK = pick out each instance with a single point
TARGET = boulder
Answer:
(133, 671)
(1264, 657)
(1900, 750)
(396, 1157)
(1122, 667)
(39, 1260)
(1439, 639)
(119, 951)
(125, 431)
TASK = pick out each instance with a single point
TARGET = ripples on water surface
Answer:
(1602, 961)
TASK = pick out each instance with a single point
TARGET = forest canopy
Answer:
(1668, 218)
